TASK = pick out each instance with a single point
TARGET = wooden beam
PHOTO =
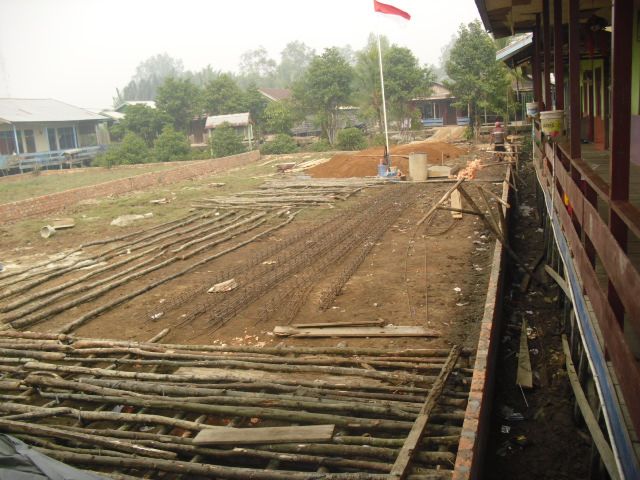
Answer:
(547, 54)
(558, 66)
(619, 166)
(266, 435)
(589, 418)
(537, 78)
(401, 466)
(574, 77)
(387, 331)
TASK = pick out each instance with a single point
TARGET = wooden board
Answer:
(524, 377)
(354, 323)
(456, 202)
(388, 331)
(267, 435)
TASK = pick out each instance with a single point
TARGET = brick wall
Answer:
(10, 212)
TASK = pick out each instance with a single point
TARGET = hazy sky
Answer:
(79, 51)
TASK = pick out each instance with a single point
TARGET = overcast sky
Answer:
(79, 51)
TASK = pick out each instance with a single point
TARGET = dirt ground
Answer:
(547, 443)
(365, 162)
(434, 275)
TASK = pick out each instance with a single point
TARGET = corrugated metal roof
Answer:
(23, 110)
(233, 119)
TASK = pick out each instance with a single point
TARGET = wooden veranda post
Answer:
(537, 78)
(558, 68)
(620, 131)
(547, 54)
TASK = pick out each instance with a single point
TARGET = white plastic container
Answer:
(552, 123)
(418, 167)
(532, 109)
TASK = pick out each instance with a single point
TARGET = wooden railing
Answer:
(53, 158)
(577, 190)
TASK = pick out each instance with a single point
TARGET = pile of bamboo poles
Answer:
(134, 407)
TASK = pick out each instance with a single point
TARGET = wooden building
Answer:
(588, 181)
(437, 109)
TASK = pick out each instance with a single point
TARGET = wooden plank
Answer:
(524, 377)
(267, 435)
(589, 418)
(456, 202)
(353, 323)
(400, 467)
(558, 279)
(388, 331)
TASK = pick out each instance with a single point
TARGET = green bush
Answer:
(351, 139)
(225, 141)
(171, 146)
(278, 117)
(200, 153)
(132, 150)
(321, 145)
(377, 140)
(283, 143)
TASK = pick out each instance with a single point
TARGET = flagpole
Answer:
(384, 107)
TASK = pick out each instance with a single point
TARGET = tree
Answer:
(256, 66)
(145, 122)
(171, 146)
(351, 139)
(477, 79)
(178, 98)
(225, 141)
(150, 74)
(325, 86)
(283, 143)
(404, 80)
(223, 95)
(255, 103)
(132, 150)
(294, 60)
(367, 78)
(278, 117)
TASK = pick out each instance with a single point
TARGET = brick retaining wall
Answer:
(10, 212)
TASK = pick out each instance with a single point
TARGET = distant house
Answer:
(125, 104)
(438, 110)
(275, 94)
(118, 113)
(46, 132)
(240, 122)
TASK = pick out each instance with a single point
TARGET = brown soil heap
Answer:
(365, 163)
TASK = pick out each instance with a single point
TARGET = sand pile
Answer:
(365, 162)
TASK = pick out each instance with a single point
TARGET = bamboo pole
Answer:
(215, 471)
(444, 198)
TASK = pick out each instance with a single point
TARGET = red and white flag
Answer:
(390, 10)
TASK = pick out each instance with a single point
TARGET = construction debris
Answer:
(226, 286)
(126, 220)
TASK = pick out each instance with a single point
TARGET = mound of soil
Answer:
(365, 162)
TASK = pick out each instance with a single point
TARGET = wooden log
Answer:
(41, 442)
(269, 435)
(93, 440)
(261, 412)
(361, 465)
(387, 331)
(196, 378)
(231, 398)
(175, 466)
(442, 200)
(401, 465)
(352, 323)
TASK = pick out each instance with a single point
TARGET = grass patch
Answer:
(43, 184)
